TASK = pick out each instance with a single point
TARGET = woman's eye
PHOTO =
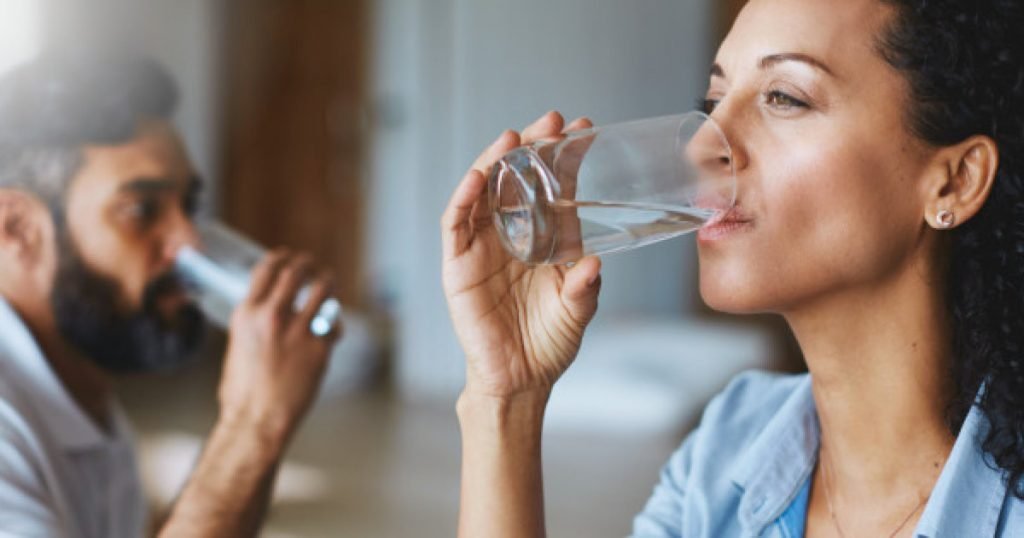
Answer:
(707, 106)
(783, 100)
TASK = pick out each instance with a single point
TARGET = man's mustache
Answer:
(165, 284)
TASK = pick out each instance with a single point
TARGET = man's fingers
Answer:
(320, 290)
(264, 275)
(290, 280)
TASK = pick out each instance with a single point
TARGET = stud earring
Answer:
(946, 219)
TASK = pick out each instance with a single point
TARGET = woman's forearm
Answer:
(502, 483)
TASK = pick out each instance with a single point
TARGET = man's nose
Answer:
(182, 233)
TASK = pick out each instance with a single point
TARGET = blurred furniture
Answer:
(653, 376)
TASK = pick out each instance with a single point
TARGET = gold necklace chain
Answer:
(832, 513)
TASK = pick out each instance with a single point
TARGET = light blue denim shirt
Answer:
(745, 472)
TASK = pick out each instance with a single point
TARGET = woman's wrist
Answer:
(521, 411)
(502, 485)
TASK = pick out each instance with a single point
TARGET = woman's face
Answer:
(830, 197)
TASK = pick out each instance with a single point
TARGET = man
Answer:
(96, 197)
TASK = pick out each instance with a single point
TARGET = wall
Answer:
(20, 28)
(182, 34)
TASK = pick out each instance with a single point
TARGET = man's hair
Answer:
(53, 106)
(50, 109)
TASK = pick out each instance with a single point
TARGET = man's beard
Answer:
(85, 305)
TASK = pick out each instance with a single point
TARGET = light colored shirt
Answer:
(60, 474)
(752, 457)
(794, 519)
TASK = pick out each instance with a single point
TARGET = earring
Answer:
(946, 219)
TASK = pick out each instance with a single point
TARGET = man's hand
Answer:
(274, 364)
(272, 371)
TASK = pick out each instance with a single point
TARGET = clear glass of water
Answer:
(218, 271)
(611, 188)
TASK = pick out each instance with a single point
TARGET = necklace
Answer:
(832, 513)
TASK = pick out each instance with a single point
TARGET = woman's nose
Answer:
(726, 120)
(709, 151)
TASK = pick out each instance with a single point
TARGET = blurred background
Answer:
(341, 127)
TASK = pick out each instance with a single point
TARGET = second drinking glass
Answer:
(611, 188)
(218, 272)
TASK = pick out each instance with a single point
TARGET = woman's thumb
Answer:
(581, 287)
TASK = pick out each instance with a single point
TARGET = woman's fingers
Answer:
(579, 123)
(508, 141)
(580, 289)
(456, 223)
(456, 230)
(548, 125)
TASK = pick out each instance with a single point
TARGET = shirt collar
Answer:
(34, 381)
(783, 455)
(967, 485)
(779, 461)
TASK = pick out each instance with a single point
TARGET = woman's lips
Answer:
(724, 225)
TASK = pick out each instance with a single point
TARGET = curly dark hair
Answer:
(65, 99)
(964, 62)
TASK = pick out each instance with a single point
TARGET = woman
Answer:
(878, 146)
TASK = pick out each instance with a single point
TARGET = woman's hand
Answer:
(520, 325)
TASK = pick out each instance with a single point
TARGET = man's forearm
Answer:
(502, 484)
(230, 489)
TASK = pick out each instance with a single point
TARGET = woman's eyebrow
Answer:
(772, 60)
(775, 59)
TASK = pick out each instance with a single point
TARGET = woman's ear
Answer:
(962, 182)
(21, 233)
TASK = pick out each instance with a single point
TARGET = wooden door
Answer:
(294, 89)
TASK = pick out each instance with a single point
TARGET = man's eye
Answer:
(783, 100)
(190, 204)
(144, 211)
(192, 198)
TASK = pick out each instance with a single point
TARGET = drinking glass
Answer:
(611, 188)
(218, 271)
